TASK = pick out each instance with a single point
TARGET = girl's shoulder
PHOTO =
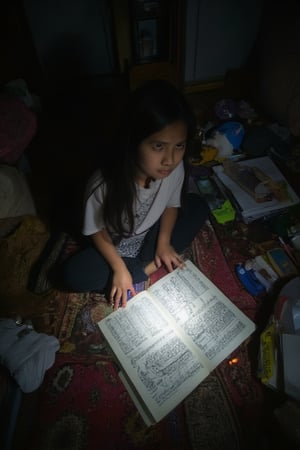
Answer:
(174, 181)
(94, 182)
(180, 168)
(177, 173)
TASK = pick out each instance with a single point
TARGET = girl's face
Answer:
(161, 152)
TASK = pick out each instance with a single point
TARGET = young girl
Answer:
(134, 214)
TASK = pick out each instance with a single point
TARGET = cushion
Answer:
(17, 127)
(25, 353)
(18, 253)
(15, 196)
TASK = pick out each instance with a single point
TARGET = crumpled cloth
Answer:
(26, 354)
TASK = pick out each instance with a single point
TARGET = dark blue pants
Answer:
(87, 270)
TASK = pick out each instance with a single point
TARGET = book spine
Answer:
(281, 263)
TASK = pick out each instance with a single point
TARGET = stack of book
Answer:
(256, 187)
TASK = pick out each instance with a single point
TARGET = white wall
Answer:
(219, 36)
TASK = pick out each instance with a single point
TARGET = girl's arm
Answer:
(165, 253)
(122, 280)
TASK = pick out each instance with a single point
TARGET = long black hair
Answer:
(151, 107)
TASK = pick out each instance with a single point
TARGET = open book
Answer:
(171, 336)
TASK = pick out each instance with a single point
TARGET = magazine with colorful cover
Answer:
(258, 187)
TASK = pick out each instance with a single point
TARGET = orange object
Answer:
(208, 153)
(233, 361)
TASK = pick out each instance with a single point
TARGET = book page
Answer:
(169, 338)
(209, 319)
(161, 367)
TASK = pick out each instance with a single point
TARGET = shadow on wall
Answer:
(279, 63)
(73, 38)
(219, 37)
(75, 64)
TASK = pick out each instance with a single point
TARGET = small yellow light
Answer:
(233, 361)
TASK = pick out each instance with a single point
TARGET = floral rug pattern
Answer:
(84, 406)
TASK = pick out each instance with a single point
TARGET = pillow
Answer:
(15, 196)
(19, 251)
(18, 125)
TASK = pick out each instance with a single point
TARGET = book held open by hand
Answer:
(170, 337)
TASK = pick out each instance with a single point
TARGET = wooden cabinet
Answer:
(150, 30)
(156, 40)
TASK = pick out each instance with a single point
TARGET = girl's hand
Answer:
(121, 284)
(167, 256)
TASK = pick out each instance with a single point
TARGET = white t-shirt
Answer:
(149, 206)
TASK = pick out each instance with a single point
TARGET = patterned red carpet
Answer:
(82, 404)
